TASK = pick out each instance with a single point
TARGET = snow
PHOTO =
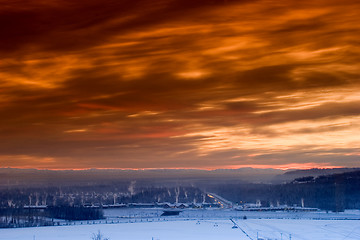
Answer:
(195, 230)
(146, 224)
(301, 229)
(216, 213)
(174, 230)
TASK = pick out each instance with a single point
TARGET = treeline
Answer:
(335, 192)
(74, 213)
(31, 217)
(166, 194)
(99, 195)
(19, 217)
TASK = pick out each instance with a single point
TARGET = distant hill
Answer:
(314, 172)
(334, 192)
(313, 188)
(165, 177)
(17, 177)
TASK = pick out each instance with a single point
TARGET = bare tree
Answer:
(98, 236)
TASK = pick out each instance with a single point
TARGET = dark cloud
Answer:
(67, 25)
(178, 83)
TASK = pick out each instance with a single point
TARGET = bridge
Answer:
(222, 201)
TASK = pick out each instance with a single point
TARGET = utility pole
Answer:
(257, 235)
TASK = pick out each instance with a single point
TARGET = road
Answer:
(222, 201)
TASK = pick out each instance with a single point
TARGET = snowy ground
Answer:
(301, 229)
(147, 224)
(131, 213)
(196, 230)
(171, 230)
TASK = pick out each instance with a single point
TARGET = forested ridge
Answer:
(334, 192)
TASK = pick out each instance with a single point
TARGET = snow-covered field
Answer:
(299, 229)
(197, 224)
(132, 213)
(172, 230)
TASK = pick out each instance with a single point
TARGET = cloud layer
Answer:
(179, 84)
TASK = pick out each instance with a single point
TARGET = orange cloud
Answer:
(199, 84)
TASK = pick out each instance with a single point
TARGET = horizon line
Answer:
(199, 169)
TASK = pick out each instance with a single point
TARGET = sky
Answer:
(207, 84)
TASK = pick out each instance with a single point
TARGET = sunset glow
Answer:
(179, 84)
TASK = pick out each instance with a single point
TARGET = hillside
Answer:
(334, 192)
